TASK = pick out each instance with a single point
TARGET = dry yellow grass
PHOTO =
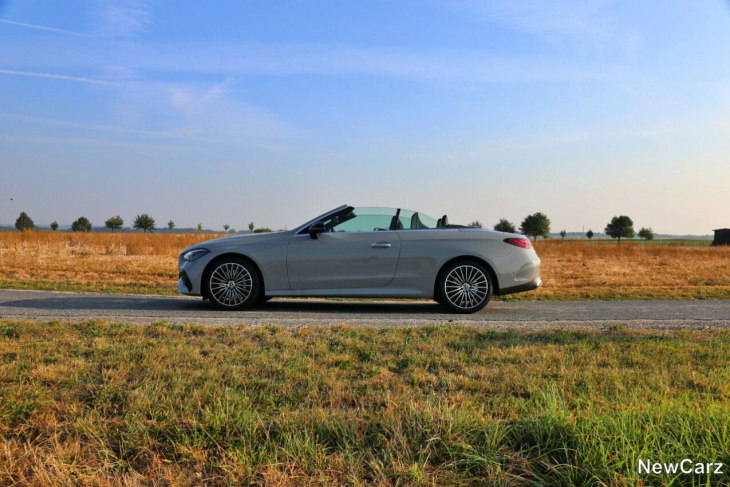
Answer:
(605, 270)
(121, 262)
(147, 263)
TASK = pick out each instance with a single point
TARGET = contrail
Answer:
(41, 27)
(56, 76)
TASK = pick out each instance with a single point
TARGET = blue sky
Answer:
(273, 112)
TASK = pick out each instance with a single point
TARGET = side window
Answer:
(360, 220)
(412, 220)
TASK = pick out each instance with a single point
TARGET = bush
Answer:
(646, 233)
(505, 225)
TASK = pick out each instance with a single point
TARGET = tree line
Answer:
(538, 225)
(142, 222)
(535, 225)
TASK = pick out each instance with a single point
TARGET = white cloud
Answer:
(187, 98)
(285, 59)
(551, 20)
(123, 18)
(200, 113)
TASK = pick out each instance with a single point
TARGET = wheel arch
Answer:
(492, 274)
(204, 291)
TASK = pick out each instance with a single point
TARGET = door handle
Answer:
(381, 245)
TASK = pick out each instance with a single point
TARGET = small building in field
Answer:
(722, 237)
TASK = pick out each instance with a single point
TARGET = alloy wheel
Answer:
(466, 286)
(231, 284)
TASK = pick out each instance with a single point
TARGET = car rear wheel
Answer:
(464, 287)
(232, 284)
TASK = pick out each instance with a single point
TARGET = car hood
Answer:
(237, 240)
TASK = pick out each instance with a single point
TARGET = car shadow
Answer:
(172, 305)
(360, 307)
(105, 302)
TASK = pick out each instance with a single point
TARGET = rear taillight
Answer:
(519, 242)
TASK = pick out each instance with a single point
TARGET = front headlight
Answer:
(194, 254)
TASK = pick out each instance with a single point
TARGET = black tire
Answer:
(464, 287)
(232, 284)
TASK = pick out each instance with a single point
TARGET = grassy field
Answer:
(147, 263)
(680, 241)
(113, 403)
(656, 241)
(631, 270)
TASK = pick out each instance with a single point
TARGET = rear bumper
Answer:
(528, 286)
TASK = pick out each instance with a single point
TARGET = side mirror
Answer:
(315, 229)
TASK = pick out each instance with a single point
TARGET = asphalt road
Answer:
(46, 305)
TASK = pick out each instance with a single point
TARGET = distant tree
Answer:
(144, 222)
(589, 234)
(200, 227)
(475, 224)
(250, 226)
(563, 233)
(24, 222)
(620, 226)
(54, 226)
(170, 225)
(81, 225)
(505, 225)
(226, 227)
(535, 225)
(646, 233)
(263, 230)
(114, 223)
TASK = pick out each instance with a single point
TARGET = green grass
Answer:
(680, 241)
(99, 402)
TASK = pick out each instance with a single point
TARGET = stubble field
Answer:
(571, 270)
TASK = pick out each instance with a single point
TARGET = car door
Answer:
(357, 250)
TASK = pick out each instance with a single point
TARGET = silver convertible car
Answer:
(366, 253)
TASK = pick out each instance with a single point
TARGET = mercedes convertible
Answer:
(362, 253)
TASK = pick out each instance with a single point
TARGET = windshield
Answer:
(373, 219)
(360, 220)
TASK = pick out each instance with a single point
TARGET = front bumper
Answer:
(184, 285)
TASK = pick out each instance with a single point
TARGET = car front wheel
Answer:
(464, 287)
(232, 284)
